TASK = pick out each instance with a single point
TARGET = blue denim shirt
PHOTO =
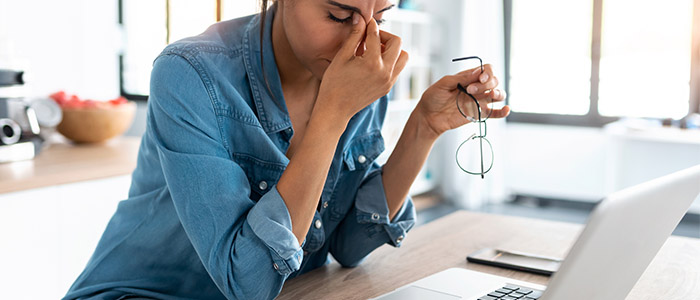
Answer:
(204, 219)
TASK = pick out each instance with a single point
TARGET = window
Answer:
(645, 58)
(149, 26)
(545, 51)
(587, 62)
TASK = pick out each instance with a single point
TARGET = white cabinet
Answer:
(48, 234)
(587, 164)
(636, 155)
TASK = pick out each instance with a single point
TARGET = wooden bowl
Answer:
(96, 124)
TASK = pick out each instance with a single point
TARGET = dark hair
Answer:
(263, 15)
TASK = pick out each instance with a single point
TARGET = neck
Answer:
(291, 71)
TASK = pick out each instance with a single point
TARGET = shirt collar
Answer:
(269, 103)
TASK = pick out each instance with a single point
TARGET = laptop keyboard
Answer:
(511, 291)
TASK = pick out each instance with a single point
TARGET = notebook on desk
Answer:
(622, 236)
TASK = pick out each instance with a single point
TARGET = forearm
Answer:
(302, 182)
(406, 161)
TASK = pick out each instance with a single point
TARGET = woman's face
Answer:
(316, 29)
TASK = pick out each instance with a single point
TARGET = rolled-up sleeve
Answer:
(367, 226)
(247, 247)
(270, 221)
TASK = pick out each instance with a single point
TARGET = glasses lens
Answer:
(470, 110)
(471, 151)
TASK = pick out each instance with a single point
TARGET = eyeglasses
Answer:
(471, 110)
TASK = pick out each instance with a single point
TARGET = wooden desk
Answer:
(66, 163)
(445, 243)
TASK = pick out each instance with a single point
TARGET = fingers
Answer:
(477, 88)
(487, 81)
(491, 97)
(498, 95)
(372, 40)
(391, 45)
(495, 95)
(386, 46)
(450, 82)
(400, 64)
(356, 36)
(478, 82)
(467, 76)
(500, 112)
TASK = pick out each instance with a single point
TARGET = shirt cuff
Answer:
(372, 207)
(270, 221)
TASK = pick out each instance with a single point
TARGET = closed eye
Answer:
(346, 20)
(339, 20)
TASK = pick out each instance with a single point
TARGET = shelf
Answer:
(407, 16)
(415, 31)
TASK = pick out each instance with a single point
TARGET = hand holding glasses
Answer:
(471, 109)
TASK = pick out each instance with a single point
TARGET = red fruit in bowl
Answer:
(73, 102)
(90, 103)
(60, 97)
(118, 101)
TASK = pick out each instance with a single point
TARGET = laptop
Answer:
(622, 236)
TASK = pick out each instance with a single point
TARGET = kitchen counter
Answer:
(63, 162)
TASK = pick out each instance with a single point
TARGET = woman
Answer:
(258, 158)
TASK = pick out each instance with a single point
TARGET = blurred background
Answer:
(604, 95)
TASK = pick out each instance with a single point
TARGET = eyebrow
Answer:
(357, 10)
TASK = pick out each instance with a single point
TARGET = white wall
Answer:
(560, 162)
(67, 45)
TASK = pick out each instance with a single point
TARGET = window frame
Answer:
(593, 118)
(120, 21)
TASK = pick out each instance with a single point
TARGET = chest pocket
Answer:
(262, 175)
(363, 150)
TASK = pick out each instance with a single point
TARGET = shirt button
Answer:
(317, 224)
(289, 130)
(263, 185)
(274, 265)
(375, 216)
(361, 159)
(399, 239)
(325, 204)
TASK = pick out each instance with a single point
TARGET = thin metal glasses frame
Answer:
(481, 123)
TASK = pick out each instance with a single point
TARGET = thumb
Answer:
(355, 38)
